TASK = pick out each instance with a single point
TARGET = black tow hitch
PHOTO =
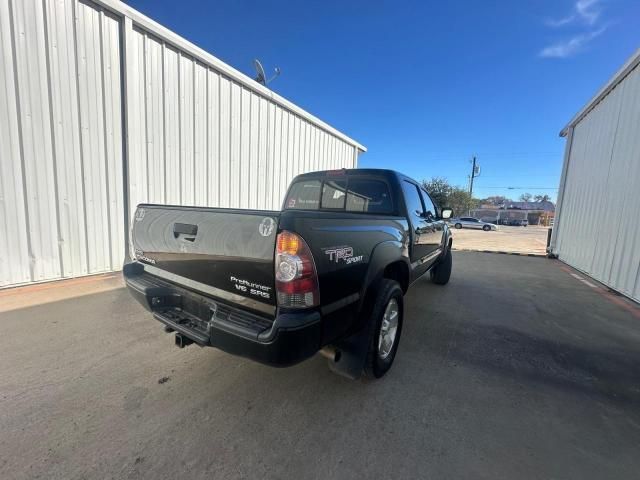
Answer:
(182, 341)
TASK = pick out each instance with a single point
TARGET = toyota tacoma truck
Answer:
(326, 274)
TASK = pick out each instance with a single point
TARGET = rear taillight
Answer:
(296, 276)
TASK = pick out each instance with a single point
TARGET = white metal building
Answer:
(101, 108)
(597, 229)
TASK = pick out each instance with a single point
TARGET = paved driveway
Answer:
(515, 369)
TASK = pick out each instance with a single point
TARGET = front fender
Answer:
(447, 240)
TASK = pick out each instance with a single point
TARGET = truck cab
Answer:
(326, 273)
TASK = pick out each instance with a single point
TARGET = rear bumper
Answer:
(286, 340)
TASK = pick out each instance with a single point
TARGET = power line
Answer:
(523, 188)
(514, 176)
(492, 154)
(505, 155)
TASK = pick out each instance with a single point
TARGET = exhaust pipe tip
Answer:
(337, 356)
(182, 341)
(331, 353)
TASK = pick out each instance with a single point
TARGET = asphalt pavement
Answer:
(516, 369)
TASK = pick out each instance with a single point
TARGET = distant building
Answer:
(536, 213)
(535, 206)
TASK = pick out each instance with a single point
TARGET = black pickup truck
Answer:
(326, 274)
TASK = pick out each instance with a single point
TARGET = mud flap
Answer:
(353, 352)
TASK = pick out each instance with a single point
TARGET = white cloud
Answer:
(584, 11)
(560, 22)
(588, 11)
(570, 47)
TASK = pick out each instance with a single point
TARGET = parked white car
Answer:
(470, 222)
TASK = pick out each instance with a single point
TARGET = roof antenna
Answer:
(260, 75)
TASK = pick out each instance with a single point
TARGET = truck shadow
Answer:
(603, 374)
(520, 341)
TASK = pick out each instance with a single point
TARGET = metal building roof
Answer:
(120, 8)
(604, 91)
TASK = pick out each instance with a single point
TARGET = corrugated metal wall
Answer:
(198, 137)
(60, 141)
(73, 75)
(598, 230)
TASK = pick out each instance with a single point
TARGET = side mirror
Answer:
(446, 213)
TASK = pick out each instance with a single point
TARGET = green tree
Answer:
(446, 195)
(438, 189)
(460, 201)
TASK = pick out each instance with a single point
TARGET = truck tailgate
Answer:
(224, 253)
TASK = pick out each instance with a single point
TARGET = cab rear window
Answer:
(334, 193)
(351, 195)
(370, 196)
(304, 195)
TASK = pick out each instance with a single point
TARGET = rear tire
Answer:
(458, 225)
(386, 315)
(441, 273)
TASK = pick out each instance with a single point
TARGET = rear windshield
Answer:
(351, 195)
(304, 195)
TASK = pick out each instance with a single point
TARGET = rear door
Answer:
(436, 227)
(420, 228)
(225, 253)
(342, 217)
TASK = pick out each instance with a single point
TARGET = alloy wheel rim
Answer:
(388, 329)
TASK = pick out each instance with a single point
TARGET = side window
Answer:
(429, 207)
(412, 199)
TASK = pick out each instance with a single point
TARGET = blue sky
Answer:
(425, 85)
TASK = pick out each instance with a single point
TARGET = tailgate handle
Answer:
(185, 229)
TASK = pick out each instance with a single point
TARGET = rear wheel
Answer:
(458, 225)
(387, 314)
(441, 273)
(486, 228)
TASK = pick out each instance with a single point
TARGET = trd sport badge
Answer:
(344, 254)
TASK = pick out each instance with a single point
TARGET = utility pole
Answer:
(475, 172)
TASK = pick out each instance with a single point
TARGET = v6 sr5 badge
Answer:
(343, 254)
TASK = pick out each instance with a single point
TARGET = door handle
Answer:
(185, 229)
